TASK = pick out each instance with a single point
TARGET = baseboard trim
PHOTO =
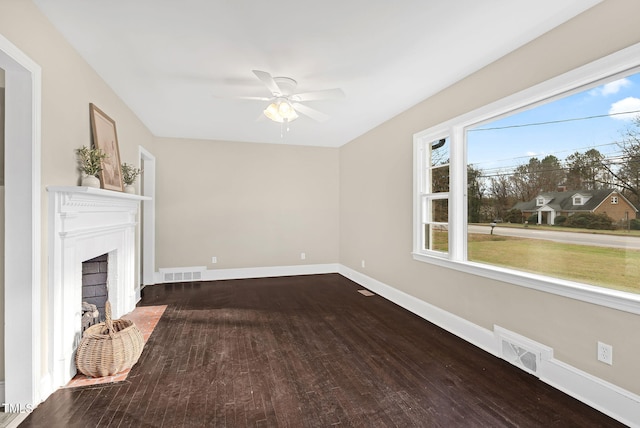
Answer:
(46, 387)
(262, 272)
(269, 271)
(620, 404)
(603, 396)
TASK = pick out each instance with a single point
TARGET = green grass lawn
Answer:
(608, 267)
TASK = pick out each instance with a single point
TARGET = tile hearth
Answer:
(145, 318)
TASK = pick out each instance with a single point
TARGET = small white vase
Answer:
(91, 181)
(130, 188)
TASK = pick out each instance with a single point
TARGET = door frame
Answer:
(23, 384)
(148, 188)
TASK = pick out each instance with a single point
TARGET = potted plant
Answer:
(129, 175)
(90, 164)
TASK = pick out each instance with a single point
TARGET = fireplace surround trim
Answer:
(84, 223)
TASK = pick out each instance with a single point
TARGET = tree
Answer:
(501, 191)
(524, 180)
(536, 176)
(439, 157)
(475, 193)
(586, 171)
(550, 174)
(628, 174)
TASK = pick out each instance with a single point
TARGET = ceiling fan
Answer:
(285, 103)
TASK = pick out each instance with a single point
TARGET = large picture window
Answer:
(546, 186)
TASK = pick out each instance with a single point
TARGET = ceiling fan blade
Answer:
(327, 94)
(255, 98)
(312, 113)
(242, 98)
(267, 79)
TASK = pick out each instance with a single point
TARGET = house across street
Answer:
(549, 205)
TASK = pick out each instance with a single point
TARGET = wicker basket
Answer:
(109, 347)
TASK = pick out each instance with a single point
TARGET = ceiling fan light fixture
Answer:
(281, 110)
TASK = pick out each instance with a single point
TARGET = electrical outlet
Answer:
(362, 263)
(214, 259)
(303, 256)
(605, 353)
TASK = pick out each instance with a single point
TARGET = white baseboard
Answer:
(269, 271)
(609, 399)
(46, 387)
(606, 397)
(261, 272)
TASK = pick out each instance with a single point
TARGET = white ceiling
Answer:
(179, 64)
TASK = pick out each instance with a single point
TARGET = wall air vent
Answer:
(182, 274)
(519, 356)
(521, 351)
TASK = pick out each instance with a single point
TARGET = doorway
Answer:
(2, 207)
(148, 188)
(22, 225)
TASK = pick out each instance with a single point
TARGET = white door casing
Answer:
(23, 240)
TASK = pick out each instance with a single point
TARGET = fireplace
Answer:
(95, 292)
(85, 223)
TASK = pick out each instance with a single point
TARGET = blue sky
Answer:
(497, 150)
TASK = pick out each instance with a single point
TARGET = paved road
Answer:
(598, 240)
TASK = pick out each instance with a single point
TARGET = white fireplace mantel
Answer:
(84, 223)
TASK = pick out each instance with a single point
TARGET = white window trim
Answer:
(421, 191)
(604, 70)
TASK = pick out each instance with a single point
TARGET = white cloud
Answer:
(629, 104)
(611, 87)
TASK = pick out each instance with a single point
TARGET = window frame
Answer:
(426, 195)
(594, 74)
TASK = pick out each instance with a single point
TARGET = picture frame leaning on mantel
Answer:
(103, 132)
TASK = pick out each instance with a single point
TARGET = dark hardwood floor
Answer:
(308, 351)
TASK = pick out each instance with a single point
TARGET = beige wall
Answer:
(376, 205)
(68, 86)
(250, 205)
